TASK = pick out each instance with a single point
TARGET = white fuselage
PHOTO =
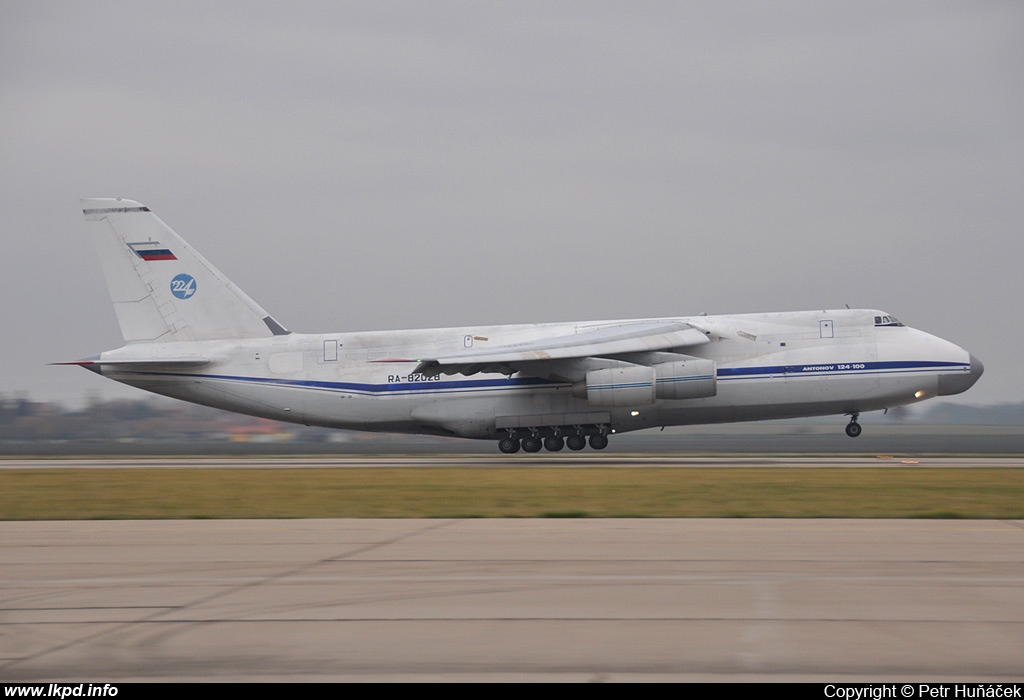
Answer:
(774, 365)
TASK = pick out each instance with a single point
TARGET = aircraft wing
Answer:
(601, 342)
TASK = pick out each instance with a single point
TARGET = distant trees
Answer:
(143, 419)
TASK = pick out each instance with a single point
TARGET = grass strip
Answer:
(452, 492)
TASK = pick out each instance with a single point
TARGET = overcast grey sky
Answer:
(374, 165)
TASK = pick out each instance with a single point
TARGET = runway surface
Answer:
(541, 460)
(454, 600)
(778, 437)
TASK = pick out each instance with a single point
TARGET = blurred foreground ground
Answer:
(745, 599)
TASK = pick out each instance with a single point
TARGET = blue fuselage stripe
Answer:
(841, 368)
(438, 386)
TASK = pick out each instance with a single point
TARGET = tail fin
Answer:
(161, 287)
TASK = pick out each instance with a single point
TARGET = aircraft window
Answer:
(887, 321)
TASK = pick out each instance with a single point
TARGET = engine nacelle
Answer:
(686, 379)
(632, 385)
(641, 385)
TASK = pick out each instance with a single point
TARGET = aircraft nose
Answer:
(959, 383)
(977, 369)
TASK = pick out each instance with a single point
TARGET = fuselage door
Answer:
(330, 351)
(826, 329)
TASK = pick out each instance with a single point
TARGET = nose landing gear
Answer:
(853, 428)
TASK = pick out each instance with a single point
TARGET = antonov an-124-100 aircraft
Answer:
(193, 335)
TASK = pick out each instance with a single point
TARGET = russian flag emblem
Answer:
(151, 250)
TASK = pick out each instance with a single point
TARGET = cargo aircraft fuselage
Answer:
(193, 335)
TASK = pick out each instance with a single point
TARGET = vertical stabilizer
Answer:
(162, 289)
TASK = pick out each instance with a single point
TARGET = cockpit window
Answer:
(887, 321)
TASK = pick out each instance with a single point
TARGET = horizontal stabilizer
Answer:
(169, 362)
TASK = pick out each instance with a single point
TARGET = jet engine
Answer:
(641, 385)
(686, 379)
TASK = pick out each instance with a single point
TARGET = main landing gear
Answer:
(576, 442)
(508, 445)
(554, 439)
(853, 428)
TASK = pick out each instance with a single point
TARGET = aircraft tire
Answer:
(598, 442)
(508, 445)
(553, 443)
(854, 429)
(531, 443)
(576, 442)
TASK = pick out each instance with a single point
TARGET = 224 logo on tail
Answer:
(183, 286)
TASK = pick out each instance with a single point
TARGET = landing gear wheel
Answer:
(553, 443)
(598, 442)
(531, 443)
(508, 445)
(853, 429)
(576, 442)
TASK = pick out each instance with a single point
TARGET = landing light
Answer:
(634, 413)
(919, 394)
